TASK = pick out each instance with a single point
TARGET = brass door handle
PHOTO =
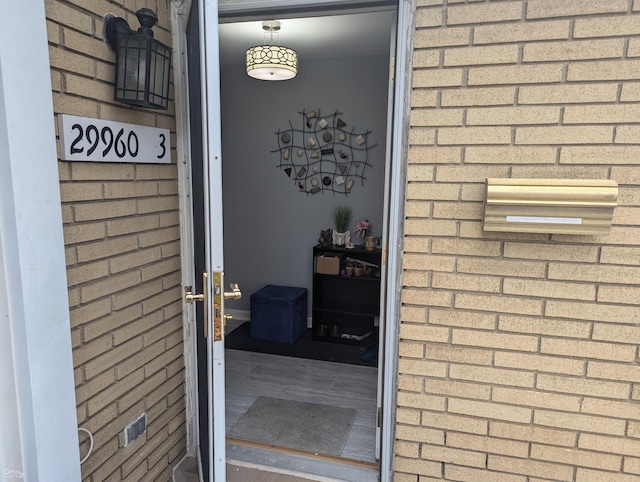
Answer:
(234, 294)
(189, 297)
(226, 318)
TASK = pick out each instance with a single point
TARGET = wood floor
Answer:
(249, 375)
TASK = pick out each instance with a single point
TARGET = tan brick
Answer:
(488, 444)
(79, 233)
(567, 93)
(584, 423)
(454, 472)
(87, 272)
(424, 333)
(490, 410)
(92, 171)
(426, 297)
(436, 117)
(134, 260)
(631, 465)
(89, 88)
(521, 32)
(588, 349)
(540, 363)
(131, 225)
(435, 155)
(433, 191)
(630, 92)
(606, 26)
(88, 312)
(613, 445)
(104, 210)
(619, 294)
(625, 175)
(80, 191)
(457, 210)
(425, 368)
(437, 78)
(462, 319)
(108, 286)
(498, 304)
(405, 449)
(530, 467)
(431, 38)
(515, 74)
(129, 189)
(620, 334)
(613, 371)
(499, 376)
(490, 96)
(412, 313)
(609, 408)
(457, 389)
(457, 423)
(532, 433)
(411, 350)
(429, 262)
(466, 247)
(474, 135)
(453, 455)
(601, 114)
(421, 401)
(561, 172)
(564, 135)
(419, 467)
(415, 279)
(480, 13)
(464, 174)
(536, 399)
(419, 173)
(549, 289)
(494, 54)
(627, 215)
(597, 154)
(589, 475)
(422, 97)
(583, 386)
(425, 59)
(548, 252)
(420, 434)
(115, 391)
(578, 50)
(620, 255)
(459, 354)
(159, 236)
(592, 312)
(513, 116)
(501, 267)
(494, 340)
(603, 70)
(112, 357)
(423, 136)
(576, 457)
(549, 8)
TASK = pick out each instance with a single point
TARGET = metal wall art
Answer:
(324, 154)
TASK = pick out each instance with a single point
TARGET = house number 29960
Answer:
(85, 139)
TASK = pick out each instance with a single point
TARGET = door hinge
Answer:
(379, 421)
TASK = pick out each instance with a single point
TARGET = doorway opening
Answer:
(272, 221)
(293, 219)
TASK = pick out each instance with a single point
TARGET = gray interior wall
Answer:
(270, 227)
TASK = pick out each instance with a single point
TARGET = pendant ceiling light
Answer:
(271, 62)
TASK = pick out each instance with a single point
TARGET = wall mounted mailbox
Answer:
(556, 206)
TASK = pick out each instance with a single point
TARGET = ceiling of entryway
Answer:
(349, 35)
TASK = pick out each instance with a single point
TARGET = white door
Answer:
(206, 171)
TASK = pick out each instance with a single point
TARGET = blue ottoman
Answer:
(278, 313)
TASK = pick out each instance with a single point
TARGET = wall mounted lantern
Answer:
(142, 62)
(271, 62)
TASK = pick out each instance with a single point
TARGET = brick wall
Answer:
(121, 228)
(519, 353)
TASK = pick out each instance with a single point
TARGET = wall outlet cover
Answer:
(135, 429)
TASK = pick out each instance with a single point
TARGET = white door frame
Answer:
(34, 304)
(401, 107)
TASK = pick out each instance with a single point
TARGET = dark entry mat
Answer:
(305, 347)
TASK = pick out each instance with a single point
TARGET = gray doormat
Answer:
(305, 426)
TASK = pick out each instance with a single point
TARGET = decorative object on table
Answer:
(326, 237)
(361, 229)
(341, 217)
(370, 243)
(327, 146)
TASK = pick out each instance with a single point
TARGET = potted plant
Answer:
(341, 217)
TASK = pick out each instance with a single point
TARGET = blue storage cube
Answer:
(278, 313)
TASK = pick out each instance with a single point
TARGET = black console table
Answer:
(344, 305)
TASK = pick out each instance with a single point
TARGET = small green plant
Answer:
(341, 218)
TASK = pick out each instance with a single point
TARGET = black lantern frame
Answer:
(143, 64)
